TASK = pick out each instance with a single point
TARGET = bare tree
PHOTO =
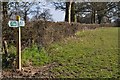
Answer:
(69, 18)
(68, 7)
(21, 8)
(42, 15)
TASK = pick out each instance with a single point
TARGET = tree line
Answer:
(89, 12)
(83, 12)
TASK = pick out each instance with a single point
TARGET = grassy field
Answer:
(90, 54)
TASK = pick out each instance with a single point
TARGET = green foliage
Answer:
(32, 56)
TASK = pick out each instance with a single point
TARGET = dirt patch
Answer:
(30, 72)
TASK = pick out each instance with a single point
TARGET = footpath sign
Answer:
(15, 23)
(18, 23)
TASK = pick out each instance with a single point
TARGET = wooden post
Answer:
(19, 45)
(19, 48)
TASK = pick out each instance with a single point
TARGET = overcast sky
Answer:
(57, 15)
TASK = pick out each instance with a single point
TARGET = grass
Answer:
(31, 56)
(92, 53)
(89, 54)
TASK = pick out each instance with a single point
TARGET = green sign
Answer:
(15, 23)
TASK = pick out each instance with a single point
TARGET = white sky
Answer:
(57, 15)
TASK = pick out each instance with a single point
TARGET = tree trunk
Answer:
(93, 17)
(4, 4)
(75, 18)
(66, 11)
(70, 12)
(69, 17)
(25, 16)
(4, 17)
(99, 19)
(5, 47)
(73, 12)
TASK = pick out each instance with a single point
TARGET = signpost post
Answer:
(19, 43)
(18, 24)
